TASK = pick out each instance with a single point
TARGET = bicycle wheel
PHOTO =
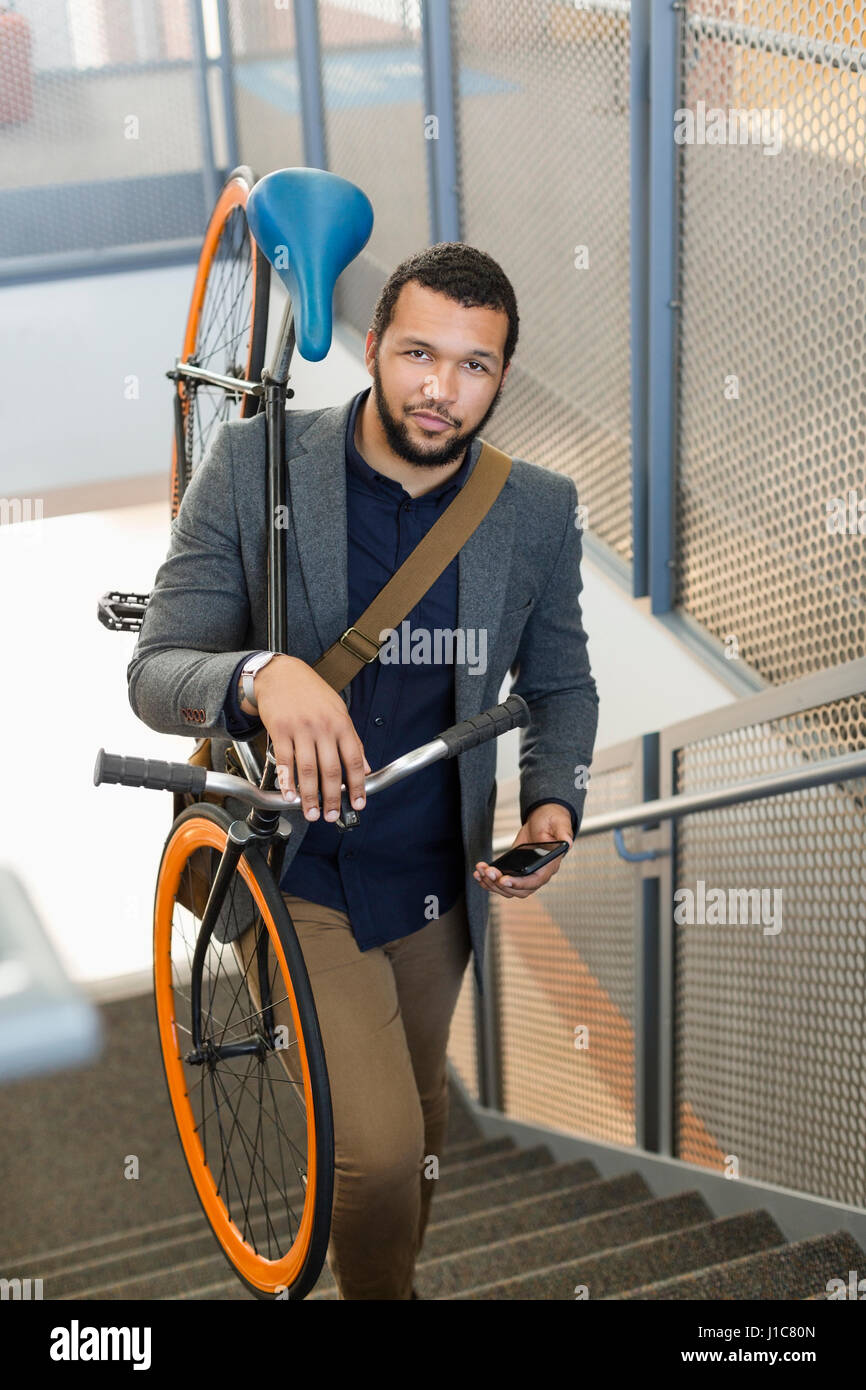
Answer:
(226, 329)
(253, 1106)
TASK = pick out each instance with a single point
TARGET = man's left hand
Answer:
(549, 821)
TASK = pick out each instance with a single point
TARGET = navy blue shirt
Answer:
(403, 865)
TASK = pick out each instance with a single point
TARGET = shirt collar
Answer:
(378, 481)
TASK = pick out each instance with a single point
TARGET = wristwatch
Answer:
(248, 672)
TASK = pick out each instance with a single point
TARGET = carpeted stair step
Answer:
(660, 1257)
(167, 1267)
(469, 1149)
(103, 1249)
(503, 1191)
(116, 1275)
(462, 1125)
(89, 1268)
(799, 1270)
(532, 1214)
(602, 1217)
(484, 1199)
(611, 1220)
(168, 1281)
(477, 1171)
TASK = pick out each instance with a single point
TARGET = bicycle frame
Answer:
(263, 825)
(239, 836)
(274, 388)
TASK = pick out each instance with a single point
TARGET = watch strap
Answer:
(249, 671)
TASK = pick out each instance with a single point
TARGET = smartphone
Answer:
(525, 859)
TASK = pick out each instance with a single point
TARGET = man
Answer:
(388, 913)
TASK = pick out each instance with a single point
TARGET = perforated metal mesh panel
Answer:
(99, 127)
(564, 960)
(769, 1043)
(773, 306)
(374, 97)
(544, 170)
(461, 1040)
(267, 93)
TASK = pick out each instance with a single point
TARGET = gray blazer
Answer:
(518, 577)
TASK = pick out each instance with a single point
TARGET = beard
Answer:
(399, 439)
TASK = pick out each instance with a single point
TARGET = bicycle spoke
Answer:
(223, 1148)
(282, 1167)
(277, 1121)
(236, 1125)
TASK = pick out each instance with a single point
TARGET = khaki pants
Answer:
(384, 1015)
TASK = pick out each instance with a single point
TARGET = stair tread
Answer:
(692, 1243)
(751, 1271)
(119, 1245)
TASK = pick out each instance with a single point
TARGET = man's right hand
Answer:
(310, 727)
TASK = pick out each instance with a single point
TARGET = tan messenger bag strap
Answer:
(360, 643)
(395, 600)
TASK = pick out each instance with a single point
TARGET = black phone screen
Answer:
(523, 858)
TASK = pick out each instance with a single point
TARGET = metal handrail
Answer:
(777, 42)
(837, 769)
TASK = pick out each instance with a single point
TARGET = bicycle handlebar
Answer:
(182, 777)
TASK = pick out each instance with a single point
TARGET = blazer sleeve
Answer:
(552, 673)
(238, 724)
(196, 622)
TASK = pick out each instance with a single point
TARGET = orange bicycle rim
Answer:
(263, 1273)
(234, 194)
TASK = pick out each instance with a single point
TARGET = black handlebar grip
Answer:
(148, 772)
(489, 724)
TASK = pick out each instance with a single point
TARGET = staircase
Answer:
(506, 1222)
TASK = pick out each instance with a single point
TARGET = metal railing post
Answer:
(646, 1042)
(309, 55)
(228, 90)
(440, 104)
(639, 283)
(663, 304)
(199, 52)
(487, 1050)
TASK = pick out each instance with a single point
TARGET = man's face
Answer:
(437, 374)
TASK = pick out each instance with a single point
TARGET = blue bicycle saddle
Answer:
(310, 224)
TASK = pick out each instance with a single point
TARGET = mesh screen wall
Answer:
(266, 85)
(565, 960)
(100, 142)
(374, 132)
(769, 1008)
(773, 298)
(544, 170)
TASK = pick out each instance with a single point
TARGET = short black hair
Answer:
(461, 272)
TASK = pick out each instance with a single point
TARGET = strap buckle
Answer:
(360, 655)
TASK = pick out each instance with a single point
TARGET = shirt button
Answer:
(378, 719)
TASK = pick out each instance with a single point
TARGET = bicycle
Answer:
(259, 1145)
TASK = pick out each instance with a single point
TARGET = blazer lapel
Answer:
(316, 467)
(482, 569)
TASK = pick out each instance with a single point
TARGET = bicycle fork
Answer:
(260, 828)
